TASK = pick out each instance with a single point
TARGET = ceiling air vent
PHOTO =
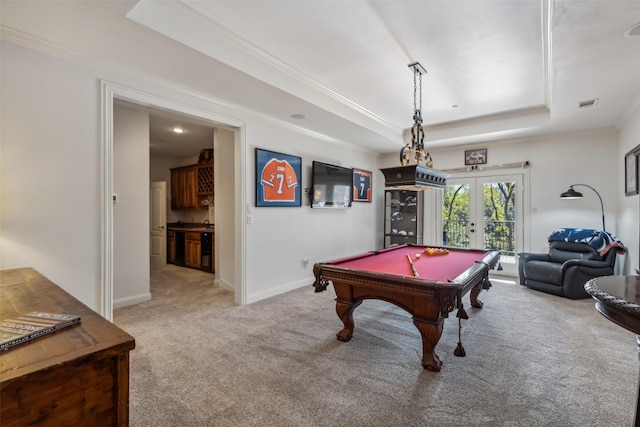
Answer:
(586, 104)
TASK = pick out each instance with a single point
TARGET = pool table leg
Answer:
(345, 313)
(473, 297)
(431, 333)
(475, 291)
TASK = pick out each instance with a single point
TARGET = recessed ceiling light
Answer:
(633, 31)
(178, 130)
(298, 116)
(588, 103)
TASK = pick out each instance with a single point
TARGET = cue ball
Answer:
(417, 256)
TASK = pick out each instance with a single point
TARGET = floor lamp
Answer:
(573, 194)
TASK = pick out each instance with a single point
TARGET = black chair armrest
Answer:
(529, 256)
(588, 263)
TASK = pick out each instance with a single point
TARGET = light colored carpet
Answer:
(532, 360)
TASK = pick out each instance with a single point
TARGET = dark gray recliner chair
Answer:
(565, 269)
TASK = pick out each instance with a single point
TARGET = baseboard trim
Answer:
(251, 298)
(132, 300)
(217, 283)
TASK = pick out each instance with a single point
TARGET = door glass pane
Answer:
(455, 216)
(500, 217)
(485, 212)
(403, 217)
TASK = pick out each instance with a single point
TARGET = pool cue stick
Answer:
(413, 267)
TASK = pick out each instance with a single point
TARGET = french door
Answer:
(485, 212)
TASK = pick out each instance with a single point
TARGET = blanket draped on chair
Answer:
(601, 241)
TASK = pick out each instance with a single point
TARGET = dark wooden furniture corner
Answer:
(77, 376)
(618, 299)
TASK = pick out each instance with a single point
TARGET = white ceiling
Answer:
(496, 70)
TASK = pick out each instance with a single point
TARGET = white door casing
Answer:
(191, 104)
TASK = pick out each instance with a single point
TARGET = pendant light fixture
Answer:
(416, 176)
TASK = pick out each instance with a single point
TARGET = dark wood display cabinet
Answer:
(402, 217)
(191, 186)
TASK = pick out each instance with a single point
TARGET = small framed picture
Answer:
(361, 185)
(475, 157)
(277, 179)
(631, 172)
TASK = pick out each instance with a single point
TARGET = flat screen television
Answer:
(331, 186)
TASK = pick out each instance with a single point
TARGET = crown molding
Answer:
(39, 44)
(50, 48)
(628, 113)
(172, 18)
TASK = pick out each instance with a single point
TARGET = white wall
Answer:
(280, 238)
(629, 215)
(131, 282)
(224, 149)
(52, 170)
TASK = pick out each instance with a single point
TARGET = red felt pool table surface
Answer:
(393, 261)
(438, 288)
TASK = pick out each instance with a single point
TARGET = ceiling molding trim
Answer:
(56, 50)
(164, 17)
(490, 126)
(321, 136)
(527, 113)
(46, 46)
(547, 47)
(495, 140)
(628, 112)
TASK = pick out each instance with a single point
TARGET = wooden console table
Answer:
(77, 376)
(618, 299)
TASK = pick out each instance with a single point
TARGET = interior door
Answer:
(485, 212)
(157, 223)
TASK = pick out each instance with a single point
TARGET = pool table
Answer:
(427, 286)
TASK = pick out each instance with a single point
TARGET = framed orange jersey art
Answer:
(277, 179)
(361, 185)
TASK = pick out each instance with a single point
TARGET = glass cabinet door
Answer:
(403, 217)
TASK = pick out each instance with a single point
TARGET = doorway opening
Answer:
(232, 235)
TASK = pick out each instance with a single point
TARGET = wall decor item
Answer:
(362, 185)
(631, 172)
(277, 179)
(475, 157)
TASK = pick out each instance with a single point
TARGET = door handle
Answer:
(162, 227)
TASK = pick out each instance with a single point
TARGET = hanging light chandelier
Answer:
(415, 176)
(416, 149)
